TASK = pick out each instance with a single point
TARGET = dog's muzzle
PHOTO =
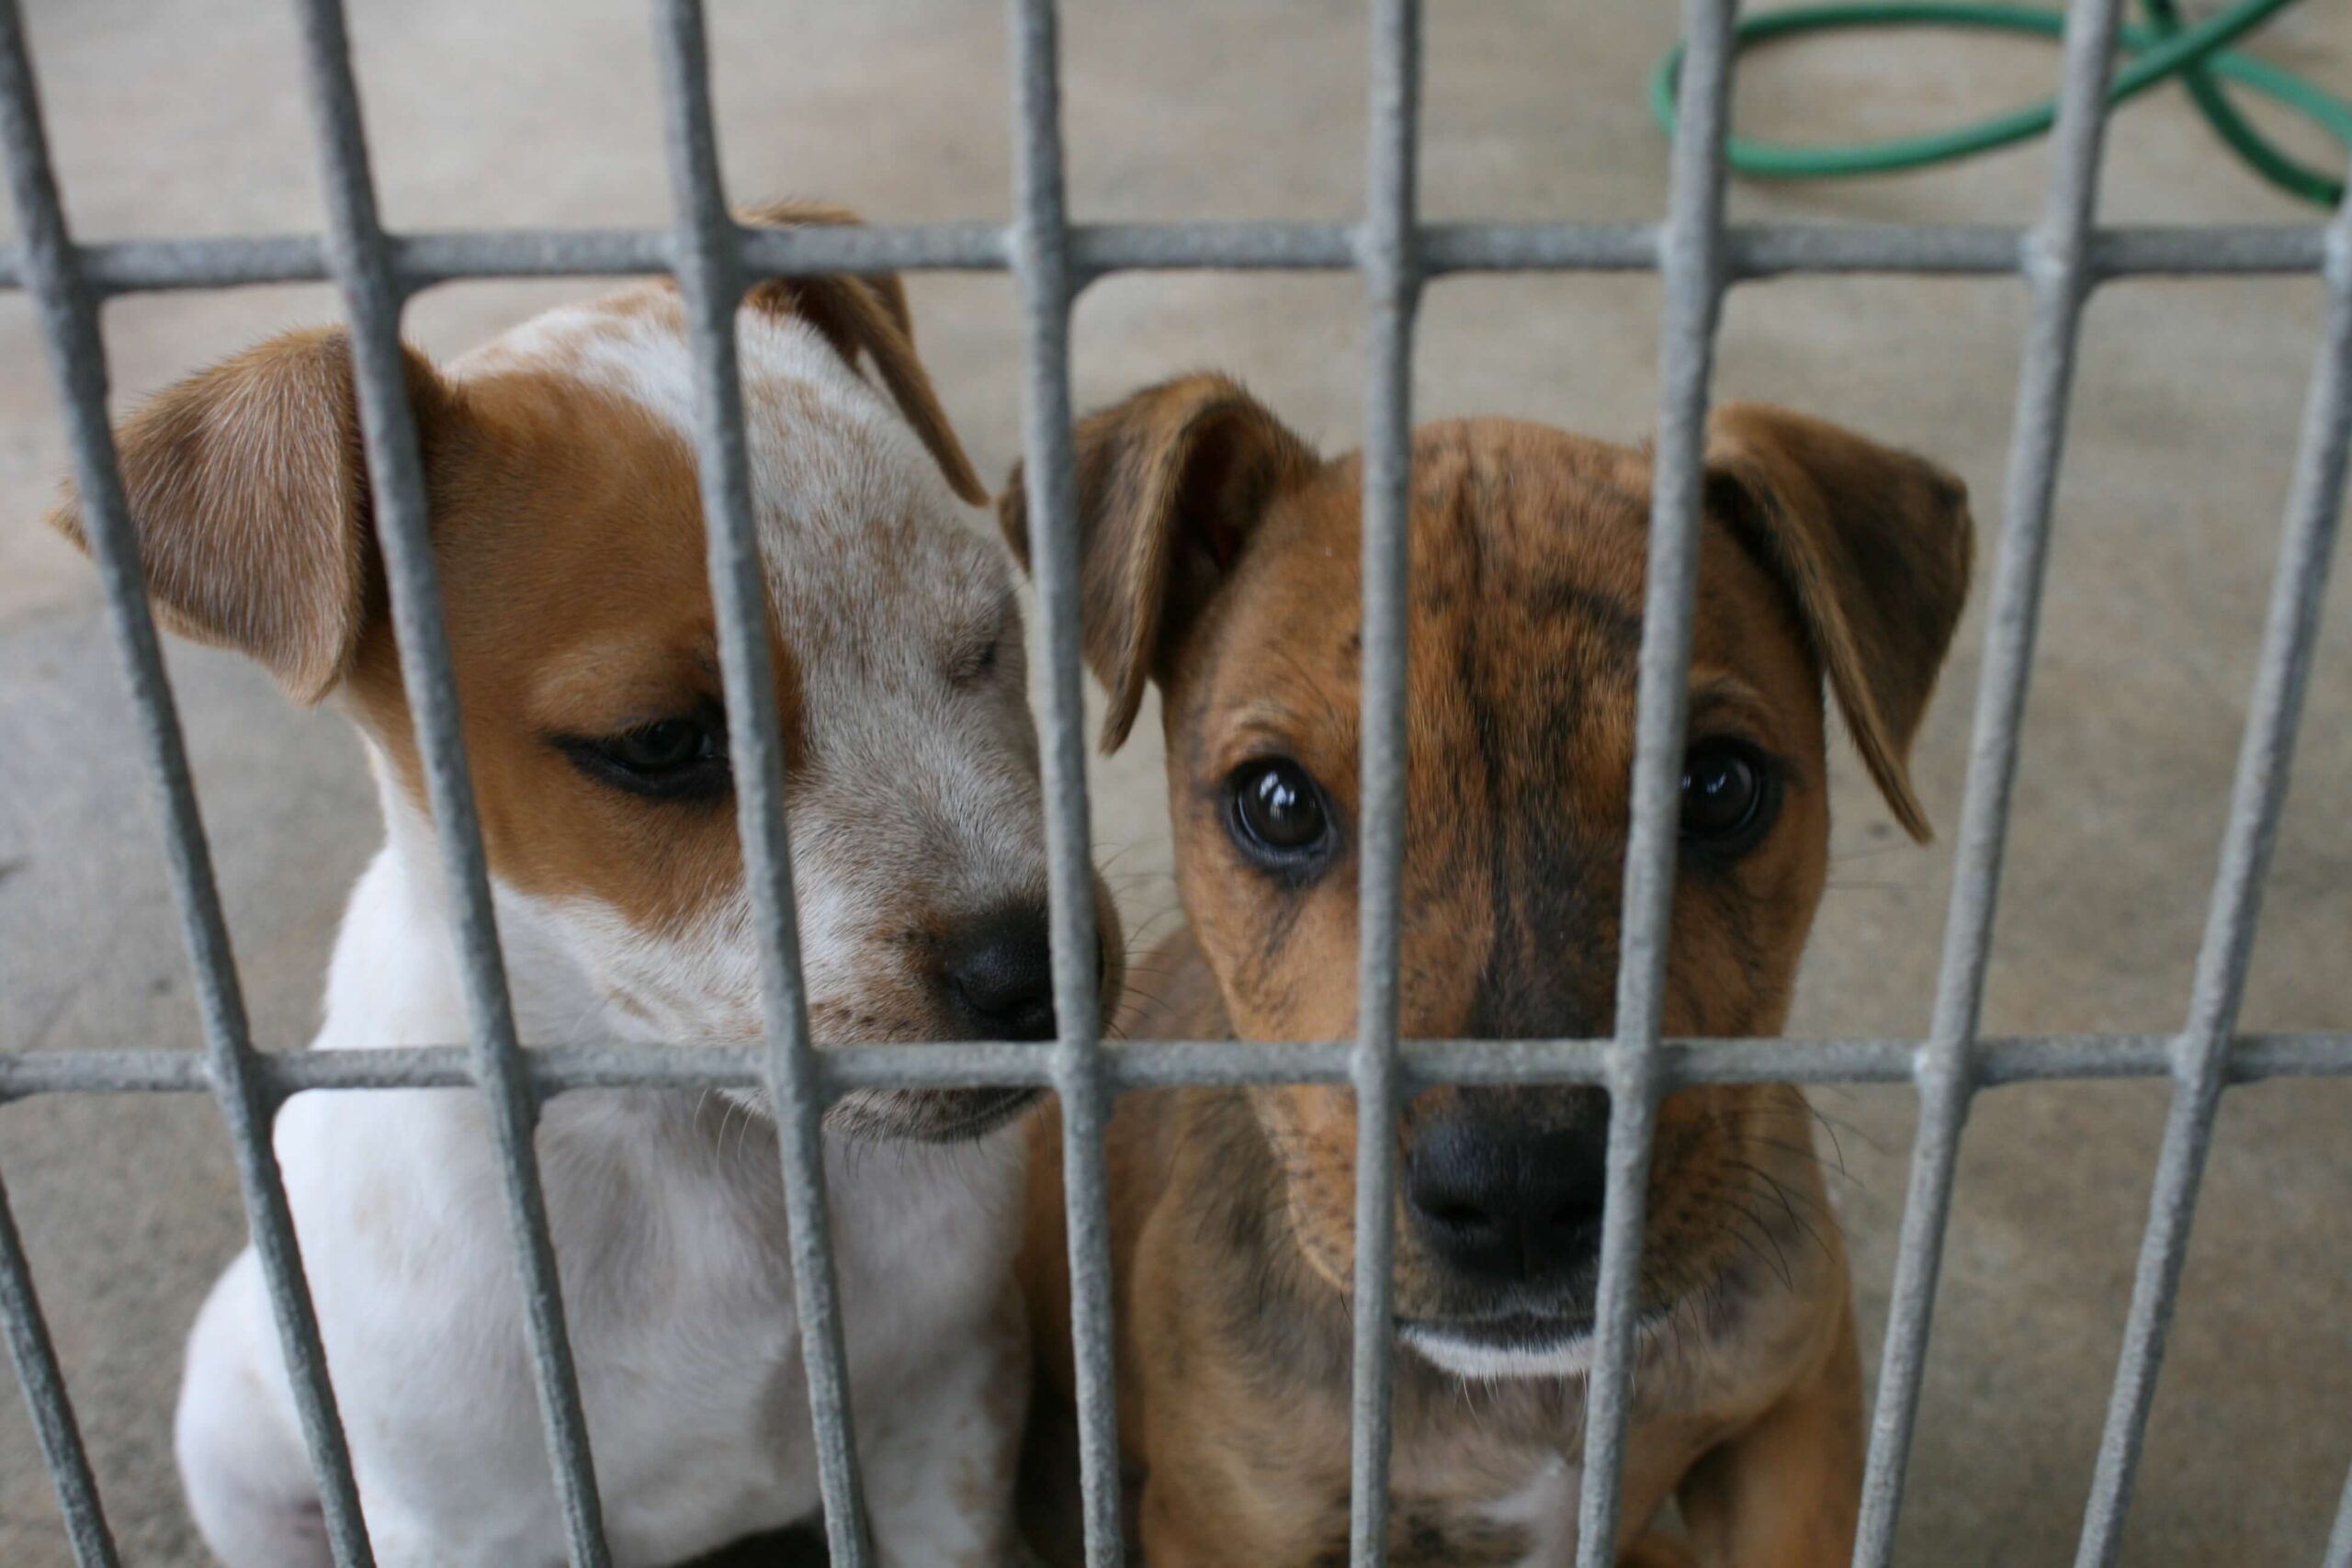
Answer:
(1511, 1210)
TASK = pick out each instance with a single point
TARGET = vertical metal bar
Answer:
(2340, 1539)
(46, 1400)
(77, 361)
(2055, 266)
(711, 284)
(1041, 265)
(357, 251)
(1389, 259)
(2200, 1056)
(1691, 264)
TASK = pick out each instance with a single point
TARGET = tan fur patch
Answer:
(565, 510)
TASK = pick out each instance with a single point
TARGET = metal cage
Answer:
(2060, 258)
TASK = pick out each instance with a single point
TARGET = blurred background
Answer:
(183, 117)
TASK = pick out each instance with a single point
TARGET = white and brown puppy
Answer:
(570, 539)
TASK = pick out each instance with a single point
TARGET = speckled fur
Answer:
(569, 542)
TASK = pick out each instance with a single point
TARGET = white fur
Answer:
(1543, 1505)
(1570, 1356)
(1547, 1509)
(666, 1207)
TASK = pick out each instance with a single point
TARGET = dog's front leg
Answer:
(940, 1455)
(1784, 1492)
(247, 1474)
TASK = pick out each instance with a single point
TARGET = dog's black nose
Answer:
(998, 974)
(1505, 1203)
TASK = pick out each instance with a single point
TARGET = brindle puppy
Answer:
(1220, 559)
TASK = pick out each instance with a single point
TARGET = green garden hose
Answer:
(2160, 50)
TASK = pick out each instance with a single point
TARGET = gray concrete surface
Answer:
(180, 115)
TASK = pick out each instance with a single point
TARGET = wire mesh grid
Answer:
(1698, 256)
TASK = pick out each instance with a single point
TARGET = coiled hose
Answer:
(2160, 49)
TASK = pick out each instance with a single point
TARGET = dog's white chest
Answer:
(1534, 1526)
(678, 1293)
(1544, 1513)
(1547, 1505)
(680, 1313)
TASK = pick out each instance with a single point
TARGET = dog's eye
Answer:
(671, 758)
(1279, 816)
(660, 748)
(1726, 794)
(977, 661)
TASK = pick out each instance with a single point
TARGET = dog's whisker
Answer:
(1775, 1260)
(1803, 1151)
(1813, 1157)
(1779, 1191)
(1108, 855)
(1832, 1125)
(1788, 1272)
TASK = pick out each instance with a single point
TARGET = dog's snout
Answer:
(1509, 1203)
(998, 974)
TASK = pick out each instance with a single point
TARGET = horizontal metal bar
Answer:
(1751, 252)
(421, 261)
(149, 266)
(854, 248)
(1161, 1063)
(2149, 250)
(1096, 248)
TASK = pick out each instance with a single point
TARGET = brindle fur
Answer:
(1220, 559)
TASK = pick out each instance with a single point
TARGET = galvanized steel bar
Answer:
(371, 297)
(1691, 261)
(2340, 1539)
(46, 1400)
(1750, 250)
(713, 287)
(69, 323)
(1042, 269)
(2314, 507)
(1391, 265)
(1161, 1064)
(2057, 265)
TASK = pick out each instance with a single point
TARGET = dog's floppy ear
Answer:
(1171, 483)
(248, 495)
(868, 316)
(1873, 544)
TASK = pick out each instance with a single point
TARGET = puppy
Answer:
(570, 540)
(1220, 561)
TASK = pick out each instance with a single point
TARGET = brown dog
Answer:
(1220, 559)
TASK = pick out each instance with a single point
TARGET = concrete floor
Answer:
(181, 116)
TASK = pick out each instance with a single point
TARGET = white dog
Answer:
(570, 541)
